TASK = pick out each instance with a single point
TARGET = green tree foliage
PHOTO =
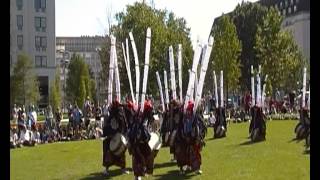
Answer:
(247, 17)
(55, 91)
(24, 86)
(166, 30)
(78, 81)
(278, 53)
(225, 52)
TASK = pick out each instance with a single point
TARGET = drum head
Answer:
(154, 142)
(115, 142)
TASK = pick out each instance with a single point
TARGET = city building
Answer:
(86, 46)
(296, 15)
(32, 31)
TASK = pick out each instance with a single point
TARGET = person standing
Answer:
(14, 114)
(58, 117)
(49, 118)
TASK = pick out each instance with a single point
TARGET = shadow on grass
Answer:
(101, 176)
(249, 143)
(173, 174)
(306, 152)
(164, 165)
(213, 138)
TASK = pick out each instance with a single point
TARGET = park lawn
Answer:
(277, 158)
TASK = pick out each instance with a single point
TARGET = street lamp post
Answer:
(98, 49)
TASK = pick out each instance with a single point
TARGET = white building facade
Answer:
(32, 31)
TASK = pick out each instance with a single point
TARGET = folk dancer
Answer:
(115, 123)
(139, 136)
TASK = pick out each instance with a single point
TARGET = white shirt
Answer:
(35, 117)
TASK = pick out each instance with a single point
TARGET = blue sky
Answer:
(89, 17)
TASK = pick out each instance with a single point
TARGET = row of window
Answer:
(40, 61)
(40, 42)
(40, 23)
(39, 5)
(289, 10)
(287, 3)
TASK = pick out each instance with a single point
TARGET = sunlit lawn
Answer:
(232, 157)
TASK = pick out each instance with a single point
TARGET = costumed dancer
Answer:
(257, 128)
(115, 125)
(144, 144)
(220, 126)
(302, 129)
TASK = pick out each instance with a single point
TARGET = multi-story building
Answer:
(86, 46)
(32, 31)
(296, 15)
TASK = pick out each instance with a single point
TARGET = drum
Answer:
(220, 132)
(118, 144)
(172, 137)
(154, 142)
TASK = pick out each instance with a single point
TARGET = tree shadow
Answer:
(101, 176)
(173, 174)
(163, 165)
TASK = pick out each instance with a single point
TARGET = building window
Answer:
(20, 41)
(41, 61)
(289, 10)
(19, 4)
(40, 24)
(43, 43)
(40, 43)
(40, 5)
(280, 5)
(295, 8)
(297, 1)
(286, 3)
(284, 12)
(291, 2)
(19, 22)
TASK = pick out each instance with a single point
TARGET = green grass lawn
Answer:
(277, 158)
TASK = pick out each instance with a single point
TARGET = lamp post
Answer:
(98, 49)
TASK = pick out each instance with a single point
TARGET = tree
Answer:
(247, 17)
(24, 86)
(278, 53)
(78, 81)
(166, 30)
(55, 92)
(225, 52)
